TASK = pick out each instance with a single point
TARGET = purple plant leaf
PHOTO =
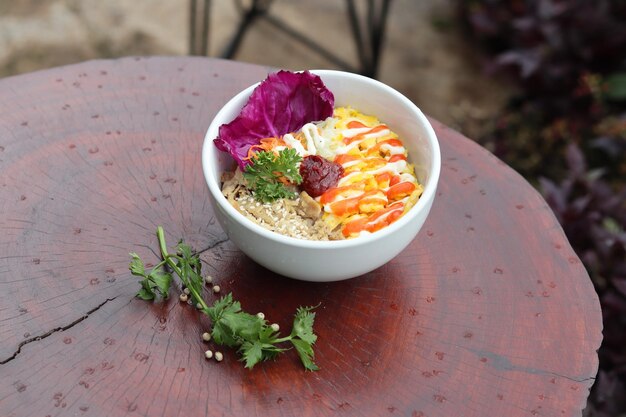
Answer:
(615, 302)
(575, 159)
(527, 60)
(609, 145)
(282, 103)
(620, 285)
(581, 204)
(554, 196)
(524, 24)
(483, 24)
(549, 9)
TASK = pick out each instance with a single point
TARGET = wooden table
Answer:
(487, 313)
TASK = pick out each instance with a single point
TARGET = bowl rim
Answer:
(430, 186)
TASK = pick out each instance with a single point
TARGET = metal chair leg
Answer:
(199, 43)
(369, 44)
(368, 37)
(257, 9)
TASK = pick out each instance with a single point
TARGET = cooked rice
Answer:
(300, 218)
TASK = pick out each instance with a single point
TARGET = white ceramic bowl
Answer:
(332, 260)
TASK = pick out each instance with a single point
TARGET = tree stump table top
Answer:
(488, 312)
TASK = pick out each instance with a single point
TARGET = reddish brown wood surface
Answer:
(487, 313)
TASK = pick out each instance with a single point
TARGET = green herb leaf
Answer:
(157, 279)
(231, 326)
(146, 294)
(161, 281)
(136, 265)
(191, 269)
(251, 335)
(257, 340)
(224, 305)
(303, 338)
(252, 353)
(221, 310)
(303, 324)
(305, 351)
(223, 335)
(245, 326)
(266, 173)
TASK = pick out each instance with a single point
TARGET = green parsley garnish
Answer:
(254, 337)
(257, 340)
(267, 173)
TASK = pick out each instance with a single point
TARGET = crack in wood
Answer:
(56, 329)
(589, 378)
(212, 246)
(503, 363)
(195, 253)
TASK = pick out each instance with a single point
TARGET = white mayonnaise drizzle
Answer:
(295, 144)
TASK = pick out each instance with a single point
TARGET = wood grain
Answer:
(487, 313)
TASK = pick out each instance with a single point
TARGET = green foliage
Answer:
(267, 174)
(303, 324)
(254, 338)
(155, 283)
(616, 86)
(190, 269)
(303, 338)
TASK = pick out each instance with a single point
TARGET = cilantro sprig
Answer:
(155, 283)
(268, 173)
(158, 281)
(255, 338)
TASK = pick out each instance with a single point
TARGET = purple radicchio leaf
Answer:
(283, 103)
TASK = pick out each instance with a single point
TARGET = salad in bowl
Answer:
(321, 175)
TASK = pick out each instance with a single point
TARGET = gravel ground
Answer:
(425, 56)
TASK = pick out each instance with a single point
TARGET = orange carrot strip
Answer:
(355, 124)
(397, 157)
(376, 221)
(345, 207)
(354, 227)
(331, 194)
(400, 190)
(391, 142)
(383, 177)
(390, 218)
(343, 158)
(265, 144)
(362, 135)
